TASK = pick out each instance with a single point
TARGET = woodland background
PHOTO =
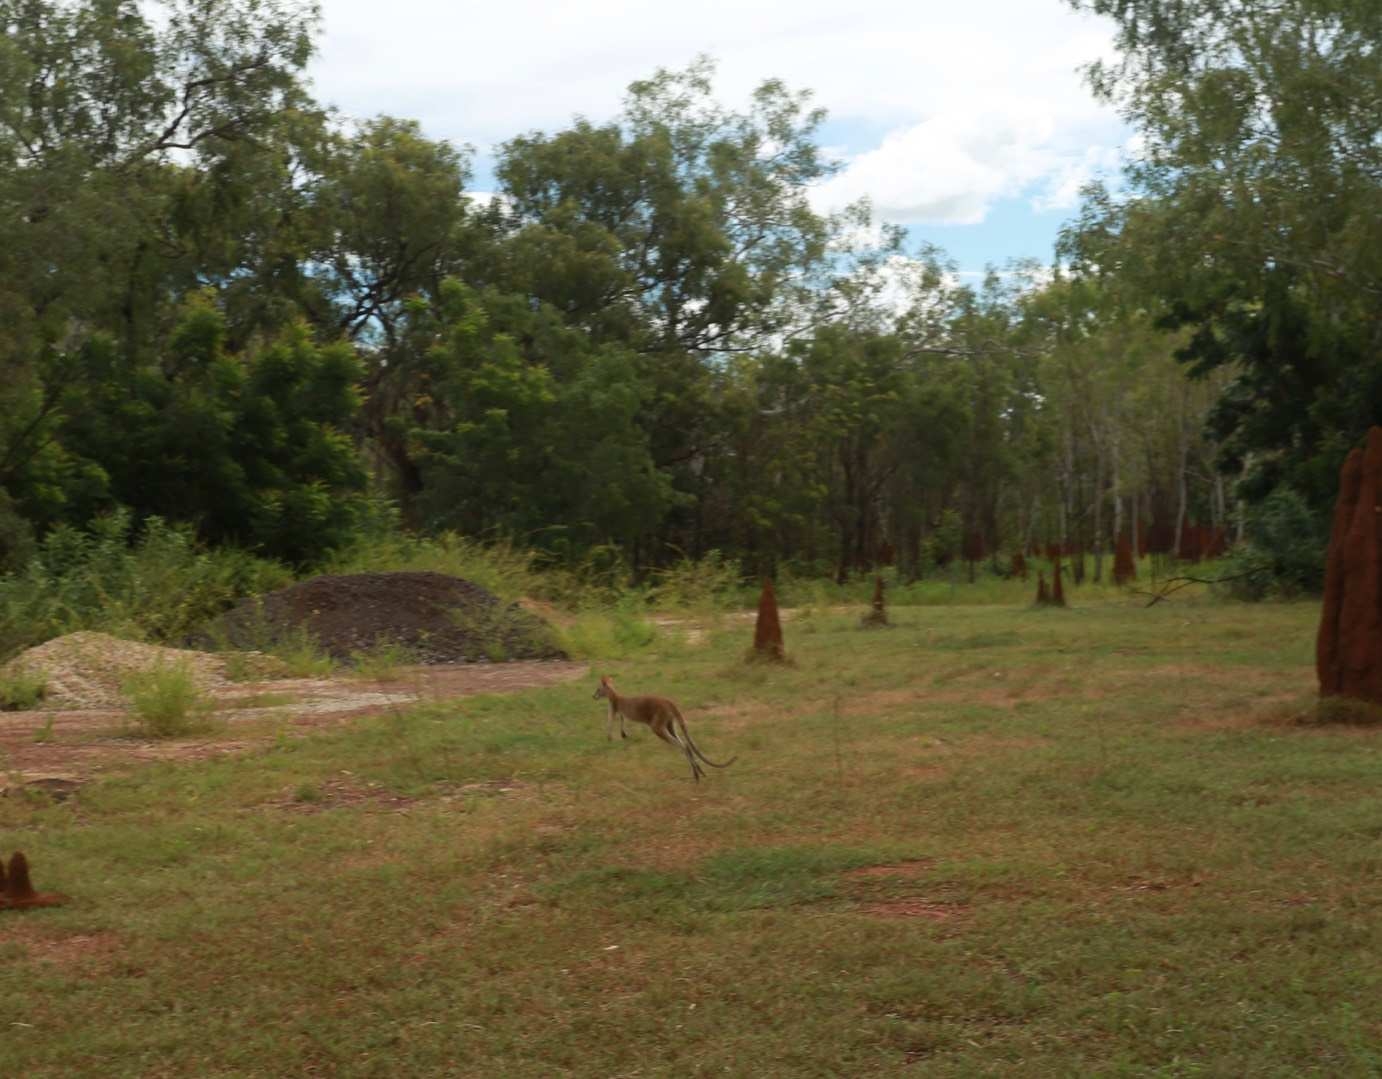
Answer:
(236, 323)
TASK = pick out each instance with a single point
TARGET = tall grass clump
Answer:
(383, 661)
(501, 567)
(151, 582)
(710, 583)
(166, 702)
(613, 632)
(300, 655)
(21, 690)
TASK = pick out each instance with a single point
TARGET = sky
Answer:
(967, 121)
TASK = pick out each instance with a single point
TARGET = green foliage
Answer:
(16, 537)
(166, 702)
(252, 448)
(382, 662)
(21, 690)
(229, 310)
(1286, 544)
(712, 582)
(154, 583)
(301, 656)
(1253, 217)
(615, 632)
(943, 545)
(501, 567)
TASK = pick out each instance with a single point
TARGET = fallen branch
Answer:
(1175, 584)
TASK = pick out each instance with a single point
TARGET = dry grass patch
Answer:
(910, 870)
(41, 942)
(911, 908)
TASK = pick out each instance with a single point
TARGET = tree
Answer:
(253, 447)
(1255, 218)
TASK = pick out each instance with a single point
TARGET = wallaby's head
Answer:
(605, 688)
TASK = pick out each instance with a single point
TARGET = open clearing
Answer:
(58, 748)
(985, 842)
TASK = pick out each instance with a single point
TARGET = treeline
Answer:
(224, 305)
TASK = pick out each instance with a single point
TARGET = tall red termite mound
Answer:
(1043, 596)
(878, 615)
(1348, 650)
(767, 631)
(1124, 568)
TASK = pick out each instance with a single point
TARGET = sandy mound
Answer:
(437, 618)
(85, 670)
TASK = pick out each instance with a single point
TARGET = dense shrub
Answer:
(151, 583)
(1284, 550)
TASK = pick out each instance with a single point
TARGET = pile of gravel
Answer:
(86, 669)
(436, 617)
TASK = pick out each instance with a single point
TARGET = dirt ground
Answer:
(56, 751)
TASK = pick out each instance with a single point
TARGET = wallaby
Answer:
(662, 716)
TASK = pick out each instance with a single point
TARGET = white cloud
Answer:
(938, 109)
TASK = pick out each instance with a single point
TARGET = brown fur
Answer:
(662, 717)
(19, 892)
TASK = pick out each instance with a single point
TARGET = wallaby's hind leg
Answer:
(669, 736)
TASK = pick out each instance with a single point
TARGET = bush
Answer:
(713, 583)
(381, 663)
(20, 691)
(1284, 553)
(502, 568)
(156, 583)
(612, 633)
(166, 702)
(301, 656)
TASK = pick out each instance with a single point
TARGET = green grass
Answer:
(1117, 855)
(300, 656)
(165, 702)
(21, 690)
(383, 662)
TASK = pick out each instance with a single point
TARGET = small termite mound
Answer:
(1124, 568)
(767, 630)
(878, 615)
(19, 891)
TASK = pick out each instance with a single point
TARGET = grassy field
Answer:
(988, 841)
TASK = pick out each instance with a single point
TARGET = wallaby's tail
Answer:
(697, 749)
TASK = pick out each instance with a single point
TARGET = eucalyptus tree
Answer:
(681, 231)
(1255, 215)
